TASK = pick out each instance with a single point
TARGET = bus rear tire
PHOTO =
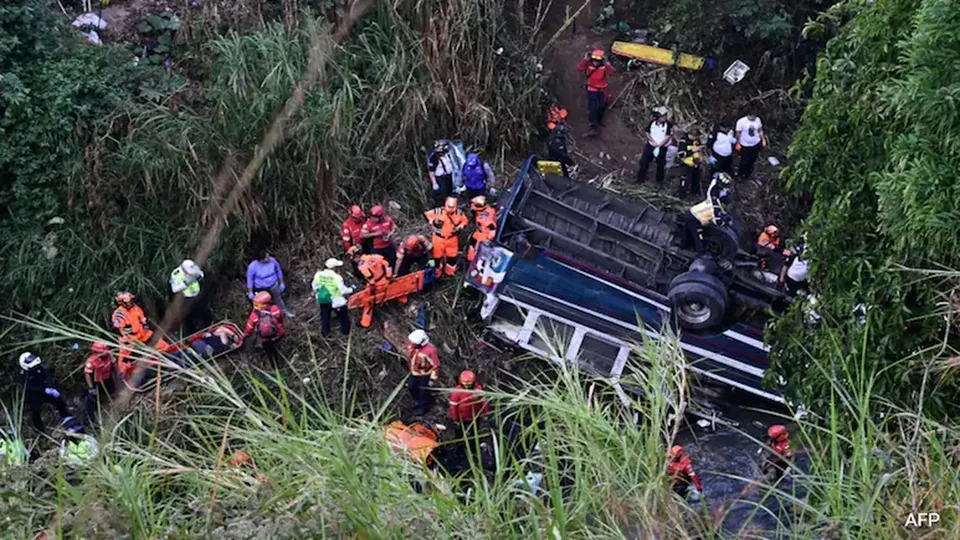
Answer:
(699, 301)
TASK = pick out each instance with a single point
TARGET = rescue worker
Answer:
(776, 464)
(721, 148)
(377, 273)
(77, 449)
(477, 176)
(39, 389)
(414, 251)
(557, 149)
(350, 232)
(98, 374)
(684, 479)
(690, 155)
(793, 274)
(447, 222)
(13, 452)
(659, 135)
(466, 401)
(264, 274)
(424, 369)
(556, 116)
(185, 279)
(710, 211)
(129, 319)
(380, 228)
(769, 239)
(596, 69)
(266, 321)
(440, 167)
(750, 140)
(485, 225)
(330, 291)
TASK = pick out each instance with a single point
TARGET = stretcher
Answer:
(398, 288)
(206, 343)
(664, 57)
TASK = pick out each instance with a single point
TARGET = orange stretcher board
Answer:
(657, 55)
(402, 286)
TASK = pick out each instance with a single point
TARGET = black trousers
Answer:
(691, 229)
(272, 350)
(690, 182)
(471, 193)
(35, 401)
(446, 189)
(104, 389)
(748, 158)
(420, 390)
(389, 253)
(722, 163)
(596, 107)
(645, 160)
(198, 314)
(343, 316)
(408, 263)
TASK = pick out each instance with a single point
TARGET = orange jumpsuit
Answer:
(485, 221)
(131, 322)
(446, 244)
(376, 270)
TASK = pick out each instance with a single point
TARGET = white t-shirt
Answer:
(659, 132)
(723, 146)
(797, 271)
(749, 131)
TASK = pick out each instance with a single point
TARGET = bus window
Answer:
(510, 314)
(598, 355)
(551, 336)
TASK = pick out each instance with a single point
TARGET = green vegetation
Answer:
(876, 153)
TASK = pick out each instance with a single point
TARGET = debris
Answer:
(660, 56)
(703, 423)
(386, 346)
(56, 221)
(306, 380)
(736, 72)
(773, 161)
(89, 19)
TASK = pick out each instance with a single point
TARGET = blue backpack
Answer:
(474, 175)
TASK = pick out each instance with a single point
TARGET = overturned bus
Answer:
(581, 269)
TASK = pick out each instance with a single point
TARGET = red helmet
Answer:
(467, 378)
(99, 347)
(675, 453)
(777, 432)
(356, 212)
(376, 211)
(478, 202)
(450, 205)
(411, 242)
(262, 298)
(597, 54)
(123, 297)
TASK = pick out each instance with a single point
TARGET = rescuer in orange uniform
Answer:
(596, 69)
(466, 401)
(128, 318)
(447, 222)
(779, 441)
(377, 273)
(485, 223)
(424, 369)
(681, 472)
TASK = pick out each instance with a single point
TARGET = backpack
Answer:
(267, 326)
(323, 295)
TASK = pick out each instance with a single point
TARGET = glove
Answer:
(436, 186)
(656, 152)
(432, 263)
(52, 392)
(693, 494)
(92, 391)
(348, 290)
(250, 296)
(283, 286)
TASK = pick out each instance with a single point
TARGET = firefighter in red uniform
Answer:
(777, 463)
(485, 222)
(424, 369)
(596, 69)
(98, 373)
(681, 472)
(380, 228)
(352, 228)
(415, 250)
(466, 401)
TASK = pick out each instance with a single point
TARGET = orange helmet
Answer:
(356, 212)
(777, 432)
(597, 54)
(123, 297)
(354, 251)
(772, 230)
(450, 205)
(675, 452)
(411, 242)
(467, 378)
(262, 298)
(376, 211)
(99, 347)
(478, 202)
(240, 457)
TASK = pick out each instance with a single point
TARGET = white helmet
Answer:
(190, 268)
(333, 263)
(418, 338)
(28, 361)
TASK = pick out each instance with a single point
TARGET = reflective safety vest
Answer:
(329, 281)
(424, 361)
(415, 443)
(77, 453)
(485, 222)
(704, 212)
(181, 281)
(446, 224)
(13, 453)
